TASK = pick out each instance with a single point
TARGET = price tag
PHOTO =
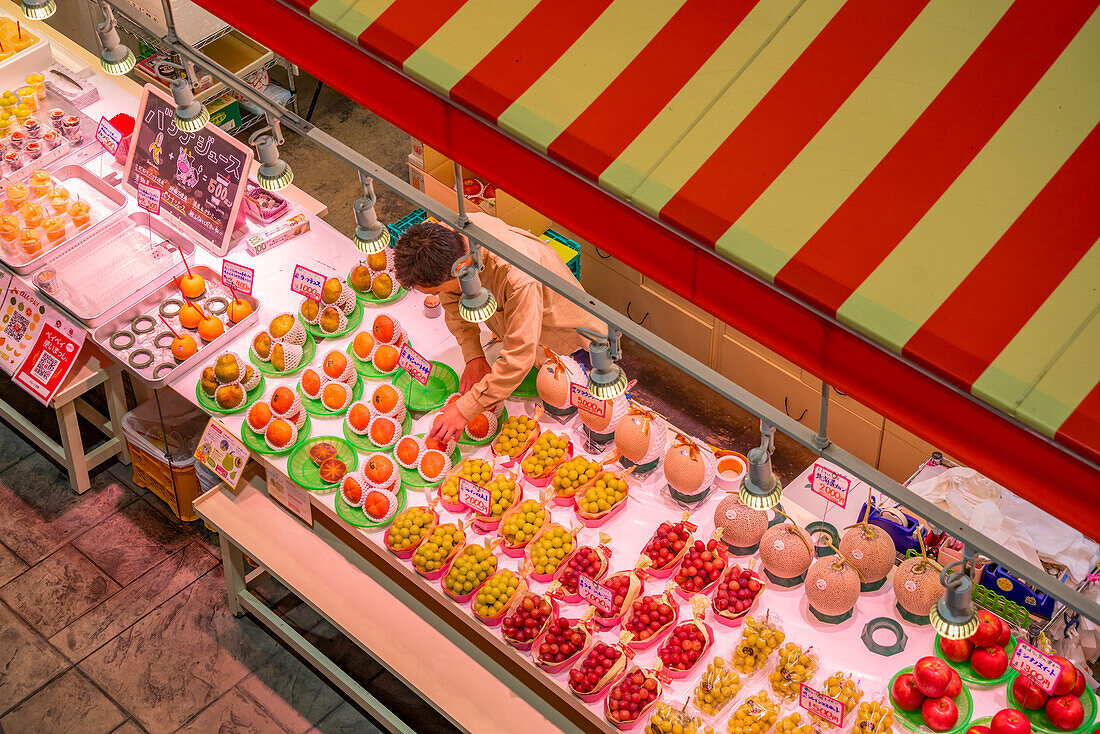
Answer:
(477, 498)
(149, 198)
(582, 399)
(825, 707)
(306, 282)
(418, 367)
(1036, 665)
(595, 593)
(238, 277)
(831, 485)
(222, 452)
(108, 135)
(289, 495)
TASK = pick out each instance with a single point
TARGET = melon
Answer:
(690, 466)
(832, 588)
(641, 436)
(742, 527)
(786, 551)
(917, 587)
(870, 551)
(554, 377)
(604, 421)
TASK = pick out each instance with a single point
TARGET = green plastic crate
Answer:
(398, 228)
(569, 250)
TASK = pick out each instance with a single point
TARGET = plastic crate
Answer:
(569, 250)
(398, 228)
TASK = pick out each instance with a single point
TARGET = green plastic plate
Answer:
(912, 719)
(966, 670)
(353, 324)
(368, 370)
(256, 443)
(316, 407)
(209, 405)
(412, 477)
(364, 444)
(303, 471)
(308, 350)
(442, 382)
(369, 299)
(527, 388)
(355, 515)
(467, 441)
(1038, 718)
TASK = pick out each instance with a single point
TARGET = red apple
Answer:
(989, 662)
(955, 687)
(939, 714)
(1009, 721)
(1006, 633)
(989, 629)
(1068, 679)
(905, 694)
(1065, 712)
(932, 676)
(1027, 694)
(471, 187)
(958, 651)
(978, 729)
(1079, 686)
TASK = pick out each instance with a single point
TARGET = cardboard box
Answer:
(225, 112)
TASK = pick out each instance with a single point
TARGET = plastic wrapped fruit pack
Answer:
(873, 717)
(845, 689)
(755, 715)
(793, 667)
(759, 638)
(719, 685)
(667, 719)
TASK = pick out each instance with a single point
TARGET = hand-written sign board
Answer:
(202, 174)
(1036, 665)
(817, 703)
(831, 485)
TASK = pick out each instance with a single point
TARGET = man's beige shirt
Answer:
(529, 316)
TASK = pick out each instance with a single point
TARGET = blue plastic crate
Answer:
(574, 263)
(398, 228)
(997, 579)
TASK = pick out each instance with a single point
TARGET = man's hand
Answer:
(475, 370)
(448, 425)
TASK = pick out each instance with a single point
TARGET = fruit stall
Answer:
(567, 564)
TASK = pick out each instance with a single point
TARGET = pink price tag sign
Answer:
(830, 484)
(824, 707)
(595, 593)
(108, 135)
(582, 399)
(418, 367)
(306, 282)
(1036, 665)
(238, 277)
(149, 198)
(474, 496)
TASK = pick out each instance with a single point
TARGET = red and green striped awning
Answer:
(924, 172)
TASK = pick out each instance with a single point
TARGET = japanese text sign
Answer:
(108, 135)
(1036, 665)
(817, 703)
(831, 485)
(474, 496)
(50, 358)
(595, 593)
(221, 451)
(418, 366)
(238, 277)
(307, 282)
(582, 399)
(149, 198)
(289, 495)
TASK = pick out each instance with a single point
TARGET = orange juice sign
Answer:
(830, 485)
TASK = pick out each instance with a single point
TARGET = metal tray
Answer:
(150, 306)
(105, 203)
(92, 293)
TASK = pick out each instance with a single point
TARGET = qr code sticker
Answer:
(45, 367)
(17, 326)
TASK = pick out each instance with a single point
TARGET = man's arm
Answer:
(466, 334)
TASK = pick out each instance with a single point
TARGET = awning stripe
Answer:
(525, 54)
(969, 330)
(788, 117)
(1065, 384)
(1082, 427)
(934, 151)
(405, 26)
(647, 84)
(350, 21)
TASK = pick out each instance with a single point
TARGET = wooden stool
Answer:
(92, 368)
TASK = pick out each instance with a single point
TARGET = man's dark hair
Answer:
(425, 253)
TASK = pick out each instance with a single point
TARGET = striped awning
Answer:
(923, 172)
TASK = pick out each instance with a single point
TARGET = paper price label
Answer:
(307, 282)
(108, 135)
(830, 484)
(418, 367)
(1036, 665)
(825, 707)
(595, 593)
(477, 498)
(583, 400)
(221, 451)
(149, 198)
(289, 495)
(238, 277)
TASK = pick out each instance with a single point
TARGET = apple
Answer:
(932, 676)
(1065, 712)
(989, 662)
(958, 651)
(905, 694)
(978, 729)
(471, 187)
(1068, 679)
(989, 629)
(1027, 694)
(1079, 686)
(1009, 721)
(939, 714)
(1006, 633)
(955, 687)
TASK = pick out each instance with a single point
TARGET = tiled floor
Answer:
(113, 618)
